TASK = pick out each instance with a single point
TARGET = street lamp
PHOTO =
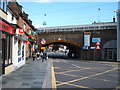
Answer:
(118, 34)
(118, 31)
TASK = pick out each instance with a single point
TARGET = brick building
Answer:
(21, 40)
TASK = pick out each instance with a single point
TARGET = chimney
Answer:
(113, 19)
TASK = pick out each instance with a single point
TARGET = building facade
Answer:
(16, 36)
(7, 32)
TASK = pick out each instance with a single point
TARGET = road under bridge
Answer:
(80, 39)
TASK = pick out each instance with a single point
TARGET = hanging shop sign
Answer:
(20, 31)
(27, 42)
(43, 41)
(21, 34)
(6, 27)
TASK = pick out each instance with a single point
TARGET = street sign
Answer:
(43, 41)
(85, 47)
(98, 47)
(92, 47)
(42, 48)
(36, 46)
(98, 43)
(94, 40)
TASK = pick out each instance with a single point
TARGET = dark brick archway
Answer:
(74, 48)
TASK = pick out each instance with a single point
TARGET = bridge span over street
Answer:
(81, 40)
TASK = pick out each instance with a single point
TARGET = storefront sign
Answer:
(96, 40)
(6, 27)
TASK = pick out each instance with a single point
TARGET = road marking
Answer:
(76, 66)
(56, 67)
(78, 86)
(71, 71)
(71, 75)
(53, 79)
(86, 77)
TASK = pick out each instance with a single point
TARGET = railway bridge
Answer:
(81, 40)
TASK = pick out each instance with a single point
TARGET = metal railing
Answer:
(104, 26)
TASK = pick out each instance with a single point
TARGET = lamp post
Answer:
(118, 31)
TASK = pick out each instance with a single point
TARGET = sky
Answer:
(69, 13)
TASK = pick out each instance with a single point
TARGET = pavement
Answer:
(34, 74)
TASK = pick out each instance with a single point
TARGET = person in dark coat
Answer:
(33, 56)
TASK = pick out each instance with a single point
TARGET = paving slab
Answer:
(34, 74)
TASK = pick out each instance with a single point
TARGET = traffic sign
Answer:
(42, 48)
(98, 47)
(98, 43)
(43, 41)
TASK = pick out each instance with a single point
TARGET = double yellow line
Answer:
(53, 80)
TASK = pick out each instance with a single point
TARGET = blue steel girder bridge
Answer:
(73, 37)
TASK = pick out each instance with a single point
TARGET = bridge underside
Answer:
(74, 48)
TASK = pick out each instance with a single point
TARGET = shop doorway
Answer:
(3, 56)
(110, 54)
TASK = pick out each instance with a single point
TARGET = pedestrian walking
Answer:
(33, 56)
(38, 55)
(41, 55)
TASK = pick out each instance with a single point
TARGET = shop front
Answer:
(6, 40)
(20, 49)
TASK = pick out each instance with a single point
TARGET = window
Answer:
(7, 50)
(19, 48)
(3, 5)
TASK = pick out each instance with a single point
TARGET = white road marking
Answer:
(75, 66)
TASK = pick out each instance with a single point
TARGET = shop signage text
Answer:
(6, 27)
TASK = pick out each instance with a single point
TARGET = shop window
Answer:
(7, 50)
(19, 48)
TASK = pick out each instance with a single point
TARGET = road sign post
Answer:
(118, 32)
(43, 41)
